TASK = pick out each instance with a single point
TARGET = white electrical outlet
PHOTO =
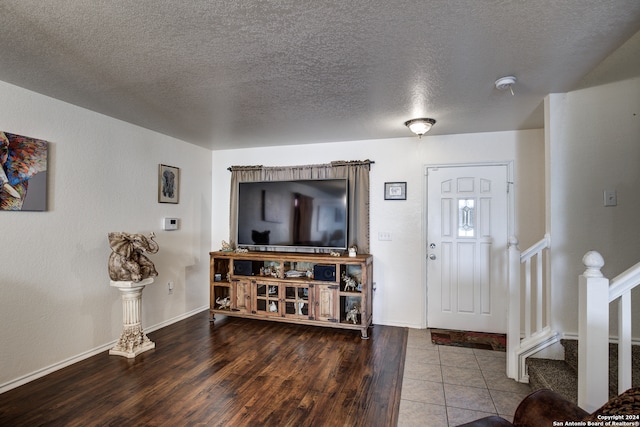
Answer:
(384, 235)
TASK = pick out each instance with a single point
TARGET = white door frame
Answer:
(425, 207)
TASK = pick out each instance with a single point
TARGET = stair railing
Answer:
(529, 302)
(596, 295)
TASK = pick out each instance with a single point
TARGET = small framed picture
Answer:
(395, 191)
(168, 184)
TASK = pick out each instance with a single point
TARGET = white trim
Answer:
(537, 343)
(400, 325)
(17, 382)
(613, 339)
(176, 319)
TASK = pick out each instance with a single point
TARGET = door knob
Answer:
(432, 256)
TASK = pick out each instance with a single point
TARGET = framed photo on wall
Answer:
(168, 184)
(395, 191)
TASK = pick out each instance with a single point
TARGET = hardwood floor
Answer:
(237, 372)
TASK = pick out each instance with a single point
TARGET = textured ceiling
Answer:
(233, 74)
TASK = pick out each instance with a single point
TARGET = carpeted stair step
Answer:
(613, 368)
(570, 353)
(571, 357)
(556, 375)
(562, 375)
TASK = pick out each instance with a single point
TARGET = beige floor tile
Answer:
(457, 416)
(490, 353)
(466, 360)
(419, 414)
(415, 332)
(463, 376)
(422, 371)
(506, 402)
(422, 391)
(453, 349)
(474, 398)
(491, 364)
(419, 334)
(422, 355)
(421, 342)
(498, 380)
(449, 386)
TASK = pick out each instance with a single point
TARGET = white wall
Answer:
(56, 303)
(399, 267)
(594, 144)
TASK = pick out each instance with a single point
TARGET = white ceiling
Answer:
(233, 73)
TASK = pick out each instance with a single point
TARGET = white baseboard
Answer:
(176, 319)
(613, 339)
(399, 324)
(17, 382)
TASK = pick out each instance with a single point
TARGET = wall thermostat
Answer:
(170, 224)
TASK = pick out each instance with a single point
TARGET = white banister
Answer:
(530, 297)
(596, 295)
(620, 289)
(513, 331)
(624, 282)
(536, 248)
(593, 334)
(624, 342)
(527, 293)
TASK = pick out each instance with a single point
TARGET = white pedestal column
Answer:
(133, 341)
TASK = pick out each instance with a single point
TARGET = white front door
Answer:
(467, 214)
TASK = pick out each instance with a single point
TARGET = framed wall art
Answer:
(395, 191)
(168, 184)
(23, 166)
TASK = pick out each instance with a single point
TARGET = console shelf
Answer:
(310, 289)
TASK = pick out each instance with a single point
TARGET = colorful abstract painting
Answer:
(23, 173)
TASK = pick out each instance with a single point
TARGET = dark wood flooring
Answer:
(238, 372)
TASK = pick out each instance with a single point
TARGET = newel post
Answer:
(513, 317)
(593, 331)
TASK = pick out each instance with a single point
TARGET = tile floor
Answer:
(446, 386)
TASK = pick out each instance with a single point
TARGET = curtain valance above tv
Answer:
(355, 172)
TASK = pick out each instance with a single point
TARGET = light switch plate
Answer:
(610, 198)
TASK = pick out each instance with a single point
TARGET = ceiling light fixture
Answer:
(420, 126)
(504, 83)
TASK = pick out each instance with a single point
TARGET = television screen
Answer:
(303, 213)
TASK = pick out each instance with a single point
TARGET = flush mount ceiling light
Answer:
(420, 126)
(504, 83)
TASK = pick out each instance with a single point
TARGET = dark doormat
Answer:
(480, 340)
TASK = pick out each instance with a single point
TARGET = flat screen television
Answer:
(286, 214)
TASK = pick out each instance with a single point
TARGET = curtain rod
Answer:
(369, 162)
